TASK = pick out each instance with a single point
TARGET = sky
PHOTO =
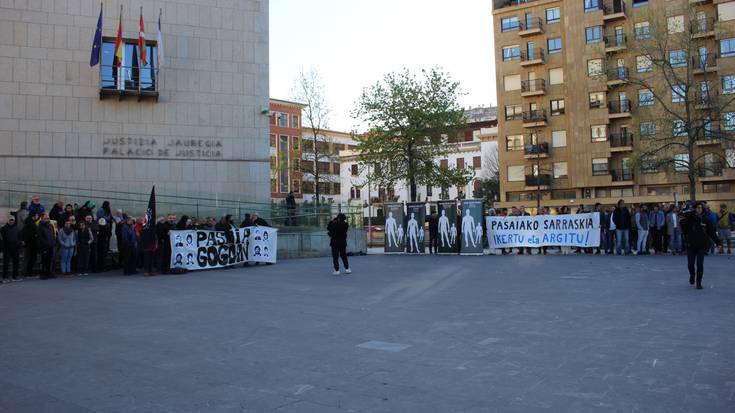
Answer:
(353, 43)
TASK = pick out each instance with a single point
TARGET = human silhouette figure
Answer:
(468, 228)
(444, 229)
(413, 234)
(390, 230)
(478, 233)
(453, 232)
(400, 235)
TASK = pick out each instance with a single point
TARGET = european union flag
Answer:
(97, 45)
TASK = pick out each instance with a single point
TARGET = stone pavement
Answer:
(402, 334)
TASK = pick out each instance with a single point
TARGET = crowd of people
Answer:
(73, 240)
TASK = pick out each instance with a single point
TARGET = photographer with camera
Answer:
(698, 232)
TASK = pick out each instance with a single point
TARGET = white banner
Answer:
(263, 244)
(203, 249)
(579, 230)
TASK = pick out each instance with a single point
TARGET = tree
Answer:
(317, 147)
(489, 177)
(682, 118)
(409, 123)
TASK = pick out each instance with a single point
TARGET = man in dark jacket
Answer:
(337, 230)
(93, 247)
(10, 236)
(130, 246)
(163, 232)
(699, 233)
(46, 244)
(621, 219)
(30, 239)
(56, 213)
(291, 209)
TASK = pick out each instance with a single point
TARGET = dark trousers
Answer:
(164, 256)
(30, 259)
(656, 239)
(93, 257)
(102, 247)
(338, 252)
(696, 254)
(10, 254)
(82, 258)
(433, 243)
(47, 255)
(148, 257)
(129, 261)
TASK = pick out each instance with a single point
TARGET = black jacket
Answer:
(698, 230)
(10, 235)
(30, 233)
(621, 218)
(337, 231)
(46, 238)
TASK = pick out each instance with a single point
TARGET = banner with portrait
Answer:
(447, 227)
(578, 230)
(262, 245)
(470, 230)
(203, 249)
(414, 227)
(394, 231)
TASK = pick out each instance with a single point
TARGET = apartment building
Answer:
(326, 160)
(285, 148)
(571, 123)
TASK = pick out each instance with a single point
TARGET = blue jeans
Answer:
(609, 246)
(66, 255)
(622, 238)
(675, 241)
(642, 238)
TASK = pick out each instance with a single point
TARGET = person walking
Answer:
(699, 233)
(642, 224)
(723, 228)
(621, 219)
(67, 244)
(46, 244)
(84, 242)
(10, 236)
(337, 230)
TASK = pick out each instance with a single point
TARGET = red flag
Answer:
(118, 41)
(141, 40)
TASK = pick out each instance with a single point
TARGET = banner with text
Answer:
(262, 245)
(203, 249)
(447, 227)
(415, 217)
(471, 226)
(579, 230)
(394, 233)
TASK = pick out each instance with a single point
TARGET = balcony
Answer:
(541, 181)
(531, 27)
(622, 176)
(536, 57)
(702, 64)
(534, 118)
(621, 142)
(710, 135)
(535, 87)
(700, 28)
(705, 99)
(617, 109)
(531, 151)
(613, 10)
(615, 43)
(617, 76)
(711, 169)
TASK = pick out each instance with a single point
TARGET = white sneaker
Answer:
(348, 271)
(335, 273)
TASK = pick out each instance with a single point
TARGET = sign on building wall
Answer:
(447, 227)
(394, 232)
(579, 230)
(414, 227)
(471, 226)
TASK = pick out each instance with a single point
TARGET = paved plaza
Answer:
(402, 334)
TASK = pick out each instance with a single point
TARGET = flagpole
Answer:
(140, 53)
(120, 71)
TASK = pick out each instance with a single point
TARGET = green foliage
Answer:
(489, 191)
(409, 121)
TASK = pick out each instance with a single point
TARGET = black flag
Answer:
(148, 234)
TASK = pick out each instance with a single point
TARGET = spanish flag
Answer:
(119, 46)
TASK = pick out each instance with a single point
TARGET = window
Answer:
(509, 23)
(514, 143)
(295, 143)
(594, 67)
(460, 163)
(710, 188)
(513, 112)
(647, 129)
(675, 24)
(728, 84)
(283, 120)
(593, 34)
(597, 99)
(727, 47)
(559, 138)
(729, 120)
(649, 166)
(681, 162)
(678, 128)
(354, 169)
(554, 45)
(295, 121)
(557, 107)
(511, 53)
(477, 162)
(677, 58)
(643, 64)
(560, 170)
(273, 141)
(678, 93)
(553, 15)
(645, 97)
(639, 3)
(556, 76)
(429, 190)
(642, 30)
(516, 173)
(730, 157)
(591, 5)
(600, 166)
(561, 194)
(296, 186)
(283, 167)
(512, 82)
(132, 75)
(599, 133)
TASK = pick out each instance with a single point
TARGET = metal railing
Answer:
(618, 140)
(514, 116)
(533, 23)
(615, 40)
(535, 55)
(617, 73)
(706, 98)
(704, 62)
(619, 175)
(535, 85)
(703, 25)
(712, 169)
(536, 149)
(619, 106)
(538, 180)
(613, 7)
(538, 115)
(129, 79)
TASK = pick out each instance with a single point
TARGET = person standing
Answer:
(673, 229)
(30, 239)
(723, 228)
(163, 233)
(93, 247)
(642, 224)
(46, 244)
(130, 243)
(337, 230)
(522, 213)
(57, 212)
(10, 236)
(621, 219)
(657, 222)
(433, 220)
(84, 242)
(291, 209)
(699, 234)
(67, 244)
(603, 225)
(21, 215)
(36, 207)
